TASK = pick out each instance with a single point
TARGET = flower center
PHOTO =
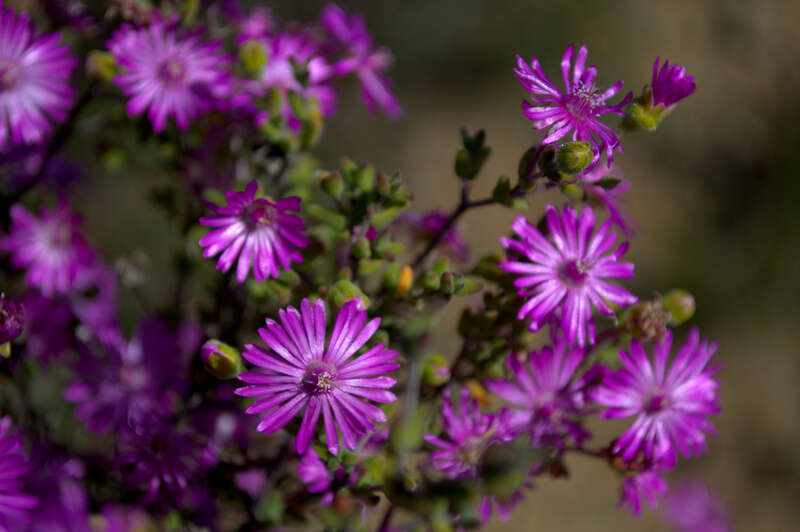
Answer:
(574, 272)
(9, 74)
(582, 102)
(656, 403)
(172, 71)
(318, 378)
(261, 215)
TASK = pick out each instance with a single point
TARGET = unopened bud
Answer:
(404, 281)
(331, 182)
(547, 164)
(343, 292)
(680, 305)
(436, 370)
(648, 320)
(574, 157)
(101, 65)
(361, 249)
(253, 55)
(221, 360)
(12, 321)
(572, 191)
(447, 283)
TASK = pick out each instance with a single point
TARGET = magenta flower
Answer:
(546, 392)
(424, 226)
(648, 485)
(575, 110)
(691, 506)
(167, 74)
(34, 80)
(670, 84)
(12, 319)
(299, 373)
(610, 199)
(14, 466)
(260, 232)
(361, 59)
(312, 472)
(469, 432)
(671, 406)
(568, 271)
(51, 249)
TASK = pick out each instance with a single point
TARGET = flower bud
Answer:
(640, 115)
(547, 164)
(447, 283)
(572, 191)
(404, 281)
(680, 305)
(436, 370)
(361, 249)
(253, 55)
(344, 292)
(431, 281)
(12, 320)
(574, 157)
(221, 360)
(101, 65)
(502, 191)
(648, 320)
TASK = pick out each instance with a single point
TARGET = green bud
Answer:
(680, 305)
(384, 186)
(527, 163)
(5, 350)
(343, 292)
(350, 169)
(572, 191)
(463, 165)
(547, 164)
(390, 276)
(298, 105)
(368, 267)
(574, 157)
(274, 102)
(430, 281)
(365, 179)
(221, 360)
(312, 124)
(101, 65)
(253, 55)
(466, 286)
(331, 183)
(447, 283)
(488, 267)
(361, 249)
(386, 216)
(642, 114)
(441, 265)
(436, 370)
(502, 191)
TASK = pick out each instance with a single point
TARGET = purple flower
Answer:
(12, 320)
(670, 84)
(361, 59)
(469, 432)
(610, 199)
(50, 327)
(260, 232)
(547, 393)
(251, 481)
(167, 74)
(648, 484)
(671, 406)
(314, 474)
(133, 383)
(425, 226)
(568, 271)
(162, 458)
(58, 484)
(34, 75)
(692, 507)
(14, 505)
(51, 248)
(256, 25)
(298, 373)
(93, 300)
(125, 519)
(577, 109)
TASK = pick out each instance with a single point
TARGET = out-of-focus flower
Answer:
(259, 232)
(690, 506)
(671, 406)
(424, 226)
(14, 466)
(51, 248)
(312, 472)
(299, 373)
(63, 502)
(49, 326)
(256, 25)
(568, 271)
(546, 392)
(93, 299)
(648, 485)
(134, 383)
(34, 75)
(162, 458)
(469, 433)
(168, 74)
(12, 320)
(575, 110)
(115, 518)
(610, 198)
(362, 59)
(251, 481)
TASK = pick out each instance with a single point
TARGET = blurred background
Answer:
(716, 191)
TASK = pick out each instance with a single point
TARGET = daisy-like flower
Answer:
(312, 472)
(260, 232)
(577, 108)
(14, 466)
(692, 507)
(34, 75)
(299, 373)
(670, 84)
(470, 433)
(671, 405)
(547, 393)
(609, 198)
(51, 249)
(648, 485)
(167, 74)
(568, 271)
(362, 59)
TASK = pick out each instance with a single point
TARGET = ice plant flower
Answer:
(34, 80)
(167, 74)
(605, 190)
(51, 248)
(577, 108)
(691, 506)
(670, 84)
(312, 472)
(648, 485)
(671, 405)
(568, 271)
(424, 226)
(361, 59)
(299, 373)
(260, 232)
(14, 466)
(546, 393)
(469, 434)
